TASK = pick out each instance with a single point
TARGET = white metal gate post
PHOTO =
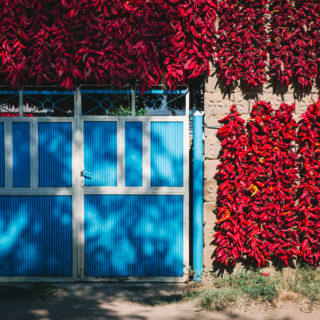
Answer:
(78, 201)
(8, 154)
(186, 182)
(34, 154)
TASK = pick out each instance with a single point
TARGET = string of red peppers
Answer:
(231, 234)
(264, 219)
(294, 39)
(259, 173)
(309, 189)
(241, 46)
(68, 42)
(193, 41)
(285, 177)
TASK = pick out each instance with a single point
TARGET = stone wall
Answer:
(217, 104)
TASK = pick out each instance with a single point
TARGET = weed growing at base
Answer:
(218, 293)
(306, 283)
(244, 288)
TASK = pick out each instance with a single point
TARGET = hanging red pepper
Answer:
(241, 46)
(231, 194)
(226, 217)
(294, 42)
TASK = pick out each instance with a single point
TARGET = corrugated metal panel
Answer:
(35, 235)
(100, 153)
(166, 154)
(21, 154)
(133, 235)
(55, 154)
(133, 154)
(1, 154)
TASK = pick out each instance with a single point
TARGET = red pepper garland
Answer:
(13, 60)
(285, 171)
(273, 173)
(294, 38)
(257, 217)
(227, 45)
(193, 42)
(309, 189)
(241, 47)
(50, 57)
(231, 235)
(69, 42)
(259, 183)
(117, 41)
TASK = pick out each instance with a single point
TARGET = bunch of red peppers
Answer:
(191, 45)
(273, 172)
(259, 129)
(309, 188)
(285, 181)
(230, 239)
(264, 224)
(291, 39)
(68, 42)
(241, 46)
(294, 41)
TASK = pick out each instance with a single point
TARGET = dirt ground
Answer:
(119, 301)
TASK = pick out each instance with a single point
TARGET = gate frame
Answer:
(77, 191)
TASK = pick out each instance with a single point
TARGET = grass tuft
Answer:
(255, 287)
(221, 292)
(216, 299)
(300, 286)
(305, 282)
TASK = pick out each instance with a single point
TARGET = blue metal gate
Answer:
(95, 191)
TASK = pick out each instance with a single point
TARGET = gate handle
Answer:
(84, 173)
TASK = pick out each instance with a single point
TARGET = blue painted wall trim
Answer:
(197, 195)
(133, 153)
(21, 154)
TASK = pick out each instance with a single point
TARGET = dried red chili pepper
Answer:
(225, 217)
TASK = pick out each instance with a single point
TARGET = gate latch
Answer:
(85, 174)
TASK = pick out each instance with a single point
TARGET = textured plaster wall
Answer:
(217, 102)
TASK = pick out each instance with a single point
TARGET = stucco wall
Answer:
(217, 103)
